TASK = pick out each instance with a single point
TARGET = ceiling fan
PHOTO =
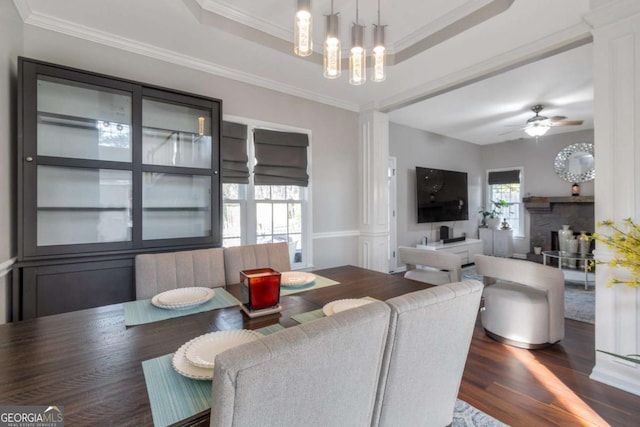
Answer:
(539, 125)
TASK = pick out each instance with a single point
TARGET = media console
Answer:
(466, 249)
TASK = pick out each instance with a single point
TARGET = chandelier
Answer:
(332, 63)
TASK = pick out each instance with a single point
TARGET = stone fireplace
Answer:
(549, 214)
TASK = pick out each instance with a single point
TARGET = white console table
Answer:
(466, 249)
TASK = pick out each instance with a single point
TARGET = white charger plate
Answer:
(181, 298)
(294, 279)
(183, 367)
(201, 351)
(337, 306)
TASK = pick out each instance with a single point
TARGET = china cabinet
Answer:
(107, 168)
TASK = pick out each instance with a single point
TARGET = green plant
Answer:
(495, 211)
(625, 241)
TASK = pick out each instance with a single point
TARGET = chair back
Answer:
(542, 277)
(436, 260)
(429, 337)
(320, 373)
(161, 272)
(248, 257)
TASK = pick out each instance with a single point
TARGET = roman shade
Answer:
(504, 177)
(281, 158)
(233, 151)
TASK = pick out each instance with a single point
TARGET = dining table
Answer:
(90, 362)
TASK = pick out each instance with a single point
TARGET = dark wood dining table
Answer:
(89, 362)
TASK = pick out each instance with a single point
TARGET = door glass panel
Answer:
(79, 205)
(175, 135)
(82, 121)
(175, 206)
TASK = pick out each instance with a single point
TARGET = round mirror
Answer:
(576, 163)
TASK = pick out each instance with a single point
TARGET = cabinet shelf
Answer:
(82, 208)
(176, 208)
(64, 120)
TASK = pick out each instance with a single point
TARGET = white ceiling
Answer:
(435, 45)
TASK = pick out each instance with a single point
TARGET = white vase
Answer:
(564, 234)
(493, 222)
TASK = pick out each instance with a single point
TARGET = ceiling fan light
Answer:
(537, 130)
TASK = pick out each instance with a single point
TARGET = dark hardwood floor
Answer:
(548, 387)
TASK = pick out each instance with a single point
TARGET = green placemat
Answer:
(142, 311)
(174, 397)
(320, 282)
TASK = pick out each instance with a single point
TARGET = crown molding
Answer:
(151, 51)
(611, 12)
(561, 41)
(23, 9)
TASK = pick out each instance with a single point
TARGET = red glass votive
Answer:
(260, 288)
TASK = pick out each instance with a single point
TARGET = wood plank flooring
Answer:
(548, 387)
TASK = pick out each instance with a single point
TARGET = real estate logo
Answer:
(31, 416)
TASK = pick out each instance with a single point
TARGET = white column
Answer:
(374, 193)
(616, 42)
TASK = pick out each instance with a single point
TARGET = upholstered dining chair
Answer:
(523, 301)
(321, 373)
(429, 338)
(161, 272)
(436, 267)
(247, 257)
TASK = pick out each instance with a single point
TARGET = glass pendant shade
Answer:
(357, 56)
(537, 129)
(332, 57)
(302, 29)
(379, 55)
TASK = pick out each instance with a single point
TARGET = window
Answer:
(507, 185)
(268, 202)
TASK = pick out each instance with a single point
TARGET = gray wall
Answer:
(10, 48)
(413, 147)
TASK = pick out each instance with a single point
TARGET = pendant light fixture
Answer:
(332, 57)
(302, 29)
(357, 55)
(379, 55)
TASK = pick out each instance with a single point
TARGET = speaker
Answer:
(444, 232)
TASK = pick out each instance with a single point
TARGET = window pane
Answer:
(293, 192)
(280, 218)
(295, 247)
(83, 122)
(78, 205)
(227, 243)
(263, 192)
(278, 192)
(232, 223)
(230, 191)
(295, 218)
(264, 239)
(175, 206)
(263, 219)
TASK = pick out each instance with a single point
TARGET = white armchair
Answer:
(523, 301)
(437, 267)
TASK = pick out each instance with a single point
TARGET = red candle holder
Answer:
(260, 288)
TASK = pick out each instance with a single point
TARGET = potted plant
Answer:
(536, 243)
(491, 218)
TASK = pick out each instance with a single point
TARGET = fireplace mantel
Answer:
(538, 204)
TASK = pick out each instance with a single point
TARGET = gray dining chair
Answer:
(429, 338)
(248, 257)
(161, 272)
(321, 373)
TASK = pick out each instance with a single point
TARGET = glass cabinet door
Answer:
(176, 164)
(84, 169)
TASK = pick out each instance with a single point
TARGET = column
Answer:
(616, 40)
(373, 205)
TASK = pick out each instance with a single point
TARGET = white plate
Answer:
(202, 351)
(183, 367)
(294, 279)
(343, 304)
(183, 297)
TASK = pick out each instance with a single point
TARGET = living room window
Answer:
(265, 187)
(506, 184)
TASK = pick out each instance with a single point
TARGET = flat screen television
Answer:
(441, 195)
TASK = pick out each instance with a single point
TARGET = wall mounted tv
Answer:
(441, 195)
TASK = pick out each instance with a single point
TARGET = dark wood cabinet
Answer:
(107, 168)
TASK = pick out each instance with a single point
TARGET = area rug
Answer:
(465, 415)
(579, 304)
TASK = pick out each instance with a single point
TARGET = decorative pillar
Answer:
(373, 244)
(616, 42)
